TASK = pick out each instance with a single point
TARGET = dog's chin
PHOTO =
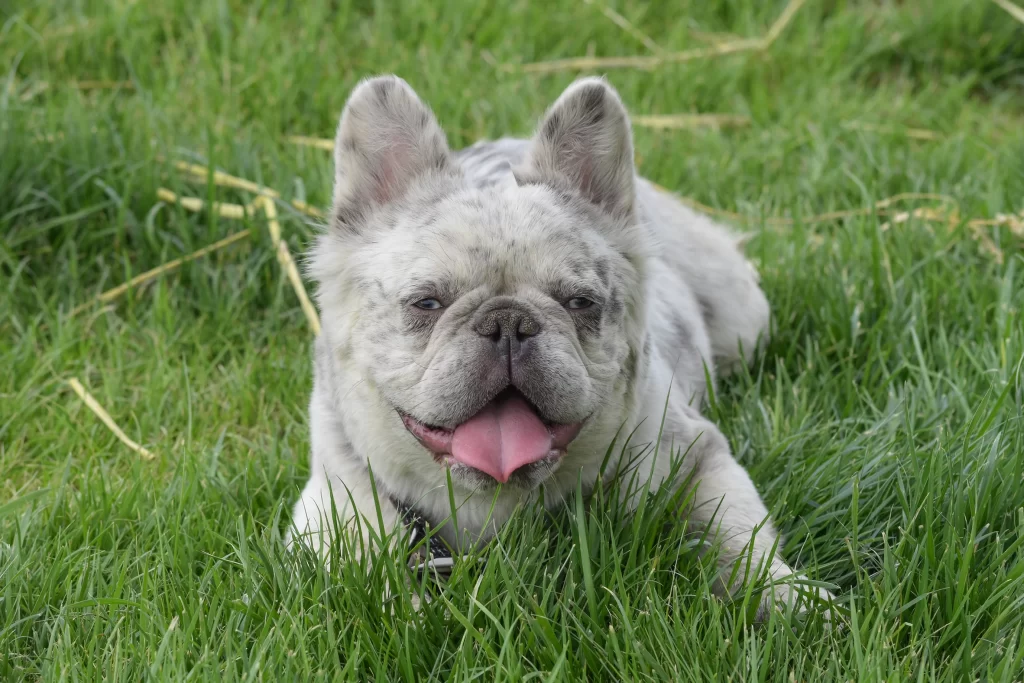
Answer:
(508, 441)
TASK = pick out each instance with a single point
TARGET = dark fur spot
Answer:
(706, 310)
(552, 125)
(601, 268)
(430, 217)
(588, 321)
(615, 304)
(629, 366)
(347, 218)
(683, 334)
(567, 197)
(562, 240)
(474, 202)
(592, 99)
(383, 88)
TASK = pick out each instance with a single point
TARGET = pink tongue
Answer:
(501, 438)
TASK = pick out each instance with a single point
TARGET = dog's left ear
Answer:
(585, 142)
(387, 138)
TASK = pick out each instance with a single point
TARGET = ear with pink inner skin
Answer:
(387, 139)
(585, 142)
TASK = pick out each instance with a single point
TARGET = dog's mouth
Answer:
(506, 434)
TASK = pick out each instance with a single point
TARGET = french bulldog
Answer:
(500, 315)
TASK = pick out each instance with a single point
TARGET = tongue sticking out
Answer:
(501, 438)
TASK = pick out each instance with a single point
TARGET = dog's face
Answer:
(499, 327)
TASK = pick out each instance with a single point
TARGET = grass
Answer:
(883, 424)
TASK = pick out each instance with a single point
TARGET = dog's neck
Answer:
(419, 527)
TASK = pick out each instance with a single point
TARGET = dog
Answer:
(496, 317)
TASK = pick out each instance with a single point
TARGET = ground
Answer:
(883, 423)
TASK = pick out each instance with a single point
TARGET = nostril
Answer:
(512, 324)
(527, 327)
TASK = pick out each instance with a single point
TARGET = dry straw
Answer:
(225, 210)
(656, 121)
(102, 85)
(142, 279)
(656, 60)
(65, 31)
(105, 418)
(1014, 10)
(666, 121)
(306, 141)
(265, 201)
(913, 133)
(627, 26)
(947, 213)
(226, 180)
(284, 257)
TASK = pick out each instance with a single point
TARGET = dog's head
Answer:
(497, 330)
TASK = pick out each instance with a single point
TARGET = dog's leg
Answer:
(725, 503)
(339, 489)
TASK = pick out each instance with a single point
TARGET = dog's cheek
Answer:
(629, 370)
(382, 334)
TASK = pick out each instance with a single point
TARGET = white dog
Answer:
(500, 314)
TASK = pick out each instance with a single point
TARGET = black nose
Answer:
(510, 328)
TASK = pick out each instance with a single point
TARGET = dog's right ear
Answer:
(387, 138)
(585, 143)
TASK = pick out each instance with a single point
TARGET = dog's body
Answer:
(504, 312)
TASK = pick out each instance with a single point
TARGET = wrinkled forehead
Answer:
(504, 237)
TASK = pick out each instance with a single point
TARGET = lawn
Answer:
(883, 424)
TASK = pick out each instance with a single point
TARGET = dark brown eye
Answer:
(578, 303)
(429, 305)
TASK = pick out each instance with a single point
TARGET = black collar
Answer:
(438, 553)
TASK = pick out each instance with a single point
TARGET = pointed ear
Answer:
(387, 138)
(585, 142)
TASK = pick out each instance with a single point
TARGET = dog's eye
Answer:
(578, 303)
(428, 305)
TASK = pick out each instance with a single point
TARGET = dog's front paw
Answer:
(792, 596)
